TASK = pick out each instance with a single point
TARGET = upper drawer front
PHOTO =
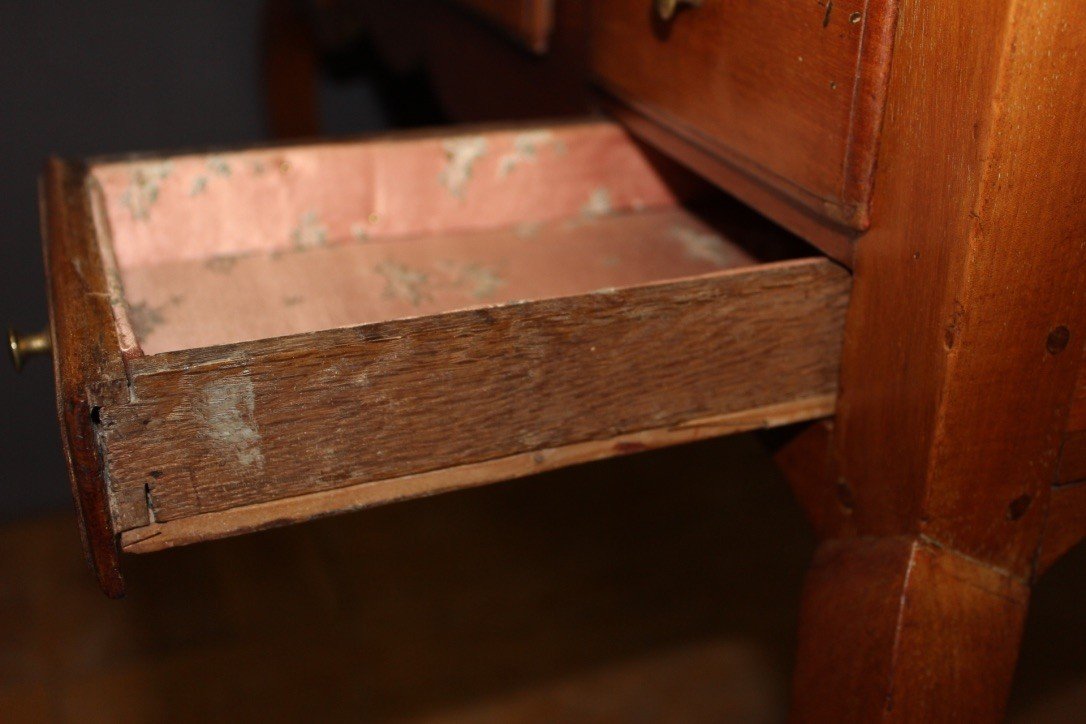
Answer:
(789, 92)
(529, 21)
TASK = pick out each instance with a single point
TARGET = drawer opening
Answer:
(217, 249)
(307, 330)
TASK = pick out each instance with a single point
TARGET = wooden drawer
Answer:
(530, 22)
(778, 102)
(258, 337)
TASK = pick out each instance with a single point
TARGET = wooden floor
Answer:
(659, 587)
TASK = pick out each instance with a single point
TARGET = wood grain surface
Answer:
(212, 429)
(284, 511)
(910, 621)
(834, 240)
(966, 386)
(86, 356)
(791, 93)
(963, 344)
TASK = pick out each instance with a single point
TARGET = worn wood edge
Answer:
(870, 89)
(285, 511)
(86, 358)
(804, 217)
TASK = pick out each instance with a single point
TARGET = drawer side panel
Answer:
(228, 427)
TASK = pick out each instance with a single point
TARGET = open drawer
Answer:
(259, 337)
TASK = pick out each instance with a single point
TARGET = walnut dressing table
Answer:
(250, 338)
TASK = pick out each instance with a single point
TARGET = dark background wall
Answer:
(85, 78)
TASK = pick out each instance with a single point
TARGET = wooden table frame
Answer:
(952, 474)
(964, 340)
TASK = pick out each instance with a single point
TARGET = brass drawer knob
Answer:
(21, 347)
(666, 8)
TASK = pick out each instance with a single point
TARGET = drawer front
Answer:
(529, 21)
(787, 92)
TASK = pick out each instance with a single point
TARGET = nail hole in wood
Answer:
(1058, 339)
(844, 495)
(1018, 507)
